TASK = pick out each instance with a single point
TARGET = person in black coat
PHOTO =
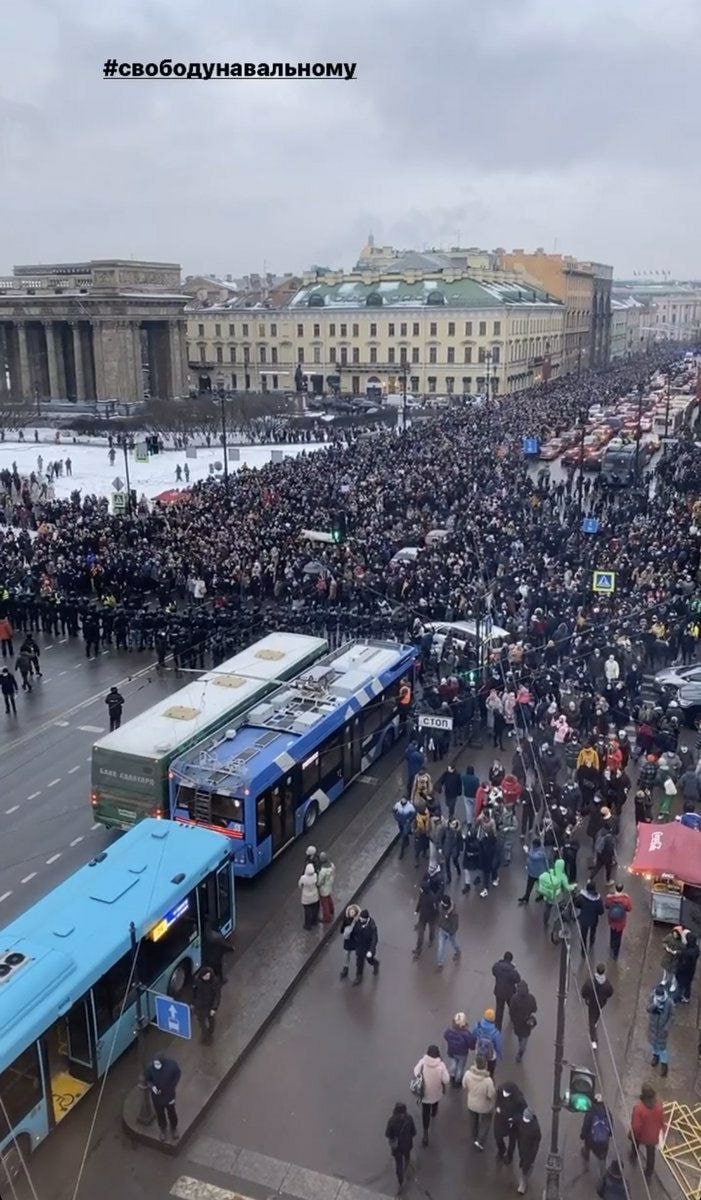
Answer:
(8, 686)
(505, 979)
(363, 941)
(400, 1134)
(595, 1134)
(528, 1137)
(591, 907)
(206, 991)
(522, 1010)
(613, 1185)
(508, 1106)
(162, 1079)
(215, 947)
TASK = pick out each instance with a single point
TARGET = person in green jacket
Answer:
(553, 885)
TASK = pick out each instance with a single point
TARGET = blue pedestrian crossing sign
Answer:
(604, 582)
(531, 446)
(590, 525)
(173, 1017)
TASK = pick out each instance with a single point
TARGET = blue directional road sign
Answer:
(173, 1017)
(531, 446)
(590, 525)
(604, 582)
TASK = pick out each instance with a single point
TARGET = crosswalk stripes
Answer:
(187, 1188)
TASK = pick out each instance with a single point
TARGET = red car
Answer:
(550, 450)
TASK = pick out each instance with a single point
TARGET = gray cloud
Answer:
(501, 122)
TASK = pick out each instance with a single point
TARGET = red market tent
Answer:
(671, 849)
(173, 496)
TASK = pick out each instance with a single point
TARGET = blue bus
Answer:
(268, 778)
(67, 994)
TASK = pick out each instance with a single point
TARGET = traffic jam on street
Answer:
(323, 789)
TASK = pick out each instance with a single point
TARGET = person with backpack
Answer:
(590, 907)
(480, 1094)
(605, 848)
(661, 1014)
(400, 1134)
(613, 1186)
(595, 1134)
(459, 1042)
(488, 1041)
(617, 907)
(428, 1084)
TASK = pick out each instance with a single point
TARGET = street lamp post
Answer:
(125, 448)
(580, 478)
(145, 1114)
(222, 397)
(488, 360)
(641, 389)
(404, 365)
(553, 1165)
(667, 403)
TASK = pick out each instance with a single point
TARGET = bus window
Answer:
(167, 940)
(332, 761)
(310, 775)
(109, 993)
(226, 808)
(373, 717)
(263, 817)
(20, 1089)
(224, 898)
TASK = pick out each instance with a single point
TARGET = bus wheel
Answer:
(310, 816)
(15, 1156)
(179, 977)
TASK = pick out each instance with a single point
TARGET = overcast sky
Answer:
(568, 124)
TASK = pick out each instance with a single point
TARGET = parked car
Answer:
(464, 634)
(550, 450)
(689, 701)
(670, 679)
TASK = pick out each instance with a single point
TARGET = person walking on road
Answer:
(450, 784)
(480, 1094)
(660, 1011)
(400, 1134)
(350, 917)
(613, 1186)
(430, 894)
(509, 1103)
(522, 1010)
(506, 978)
(404, 813)
(590, 907)
(8, 686)
(363, 941)
(685, 968)
(488, 1041)
(162, 1079)
(596, 993)
(24, 666)
(115, 703)
(528, 1136)
(433, 1072)
(325, 881)
(30, 647)
(206, 991)
(459, 1042)
(215, 947)
(6, 635)
(309, 892)
(595, 1134)
(536, 865)
(448, 922)
(617, 906)
(646, 1125)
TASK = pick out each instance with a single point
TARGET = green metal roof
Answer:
(398, 293)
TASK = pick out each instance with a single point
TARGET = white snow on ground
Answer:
(93, 475)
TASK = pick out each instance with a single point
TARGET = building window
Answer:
(433, 329)
(317, 331)
(468, 354)
(466, 384)
(344, 356)
(217, 330)
(300, 331)
(390, 355)
(451, 328)
(200, 330)
(275, 382)
(483, 328)
(317, 354)
(402, 329)
(233, 382)
(232, 331)
(390, 329)
(450, 384)
(232, 354)
(494, 385)
(497, 328)
(415, 329)
(356, 354)
(355, 383)
(344, 331)
(300, 354)
(332, 330)
(203, 354)
(263, 354)
(481, 356)
(246, 354)
(495, 354)
(244, 330)
(468, 329)
(431, 383)
(356, 331)
(373, 354)
(264, 383)
(220, 354)
(273, 332)
(332, 353)
(432, 354)
(273, 354)
(261, 329)
(451, 354)
(373, 329)
(403, 356)
(414, 384)
(415, 354)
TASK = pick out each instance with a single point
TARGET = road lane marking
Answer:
(63, 673)
(187, 1188)
(4, 896)
(28, 878)
(97, 825)
(54, 782)
(53, 859)
(72, 770)
(50, 646)
(62, 641)
(92, 728)
(78, 839)
(77, 666)
(11, 810)
(63, 724)
(105, 651)
(33, 795)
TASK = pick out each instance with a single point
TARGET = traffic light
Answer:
(338, 527)
(580, 1096)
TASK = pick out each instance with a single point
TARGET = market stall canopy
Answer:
(671, 849)
(173, 496)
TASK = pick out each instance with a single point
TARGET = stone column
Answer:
(25, 379)
(99, 360)
(138, 373)
(78, 360)
(177, 376)
(49, 334)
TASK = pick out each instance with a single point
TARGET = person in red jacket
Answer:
(617, 906)
(646, 1125)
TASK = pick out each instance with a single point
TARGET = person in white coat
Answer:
(434, 1073)
(480, 1094)
(308, 885)
(612, 670)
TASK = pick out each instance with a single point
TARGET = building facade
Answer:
(101, 330)
(441, 334)
(673, 309)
